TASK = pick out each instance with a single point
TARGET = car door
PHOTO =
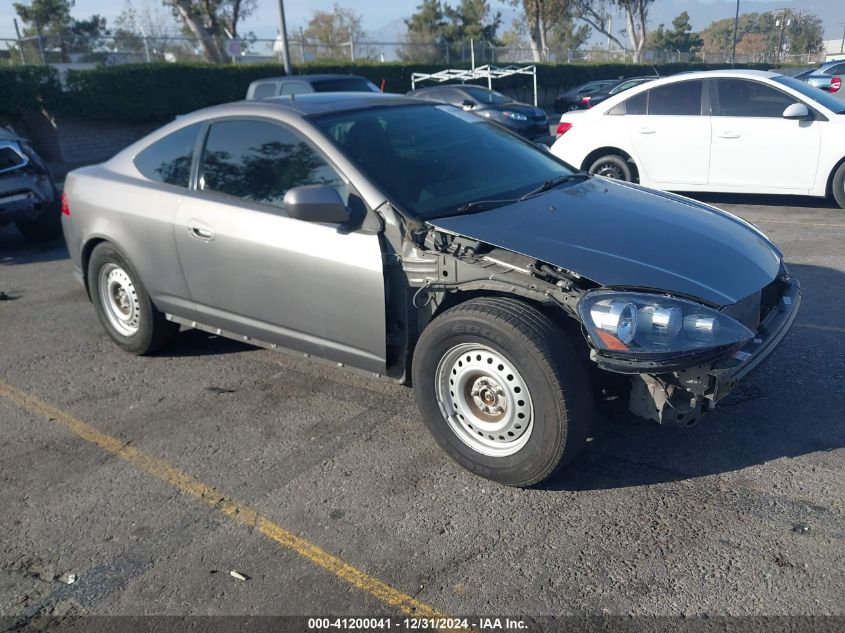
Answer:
(753, 146)
(669, 134)
(254, 271)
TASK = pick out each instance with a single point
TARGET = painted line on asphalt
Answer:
(217, 500)
(823, 328)
(799, 222)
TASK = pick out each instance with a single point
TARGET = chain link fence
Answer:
(133, 49)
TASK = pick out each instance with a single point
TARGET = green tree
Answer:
(680, 38)
(597, 14)
(212, 22)
(805, 34)
(52, 22)
(332, 31)
(436, 27)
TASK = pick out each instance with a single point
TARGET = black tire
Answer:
(837, 186)
(612, 166)
(555, 379)
(48, 224)
(152, 330)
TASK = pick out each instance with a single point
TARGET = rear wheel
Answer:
(123, 305)
(838, 186)
(612, 166)
(502, 391)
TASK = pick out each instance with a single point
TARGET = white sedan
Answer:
(737, 131)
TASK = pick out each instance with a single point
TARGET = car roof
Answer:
(310, 78)
(313, 103)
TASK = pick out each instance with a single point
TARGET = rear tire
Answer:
(837, 186)
(123, 305)
(502, 391)
(612, 166)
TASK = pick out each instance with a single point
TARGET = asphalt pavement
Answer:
(150, 479)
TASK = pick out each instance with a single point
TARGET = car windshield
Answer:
(816, 94)
(352, 84)
(485, 96)
(431, 160)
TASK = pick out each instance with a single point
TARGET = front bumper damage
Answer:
(679, 397)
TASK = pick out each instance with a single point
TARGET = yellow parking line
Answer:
(232, 508)
(823, 328)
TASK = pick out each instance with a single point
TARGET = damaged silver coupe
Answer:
(416, 242)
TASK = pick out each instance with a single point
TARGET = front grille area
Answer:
(752, 310)
(746, 311)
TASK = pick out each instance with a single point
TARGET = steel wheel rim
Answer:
(484, 400)
(610, 170)
(119, 299)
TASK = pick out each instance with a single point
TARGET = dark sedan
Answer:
(524, 119)
(588, 101)
(571, 99)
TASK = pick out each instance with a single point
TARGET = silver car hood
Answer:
(622, 235)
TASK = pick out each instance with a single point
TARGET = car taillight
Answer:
(586, 100)
(563, 127)
(835, 84)
(65, 205)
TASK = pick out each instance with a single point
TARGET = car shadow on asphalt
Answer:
(198, 343)
(15, 250)
(792, 405)
(751, 199)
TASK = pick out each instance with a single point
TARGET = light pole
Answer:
(736, 26)
(284, 36)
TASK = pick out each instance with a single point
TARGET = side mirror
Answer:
(316, 203)
(797, 111)
(468, 104)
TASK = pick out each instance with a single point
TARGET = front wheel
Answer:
(838, 186)
(612, 166)
(123, 305)
(502, 391)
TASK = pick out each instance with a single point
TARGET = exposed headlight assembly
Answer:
(641, 325)
(516, 116)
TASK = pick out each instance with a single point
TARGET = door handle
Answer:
(728, 135)
(200, 231)
(646, 130)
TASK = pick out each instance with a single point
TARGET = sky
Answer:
(376, 14)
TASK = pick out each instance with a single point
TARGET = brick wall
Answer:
(77, 141)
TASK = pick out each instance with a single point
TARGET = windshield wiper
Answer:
(484, 205)
(552, 183)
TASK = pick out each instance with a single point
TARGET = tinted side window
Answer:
(678, 99)
(839, 69)
(262, 91)
(260, 161)
(169, 159)
(294, 88)
(636, 104)
(739, 97)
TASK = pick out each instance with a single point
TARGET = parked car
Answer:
(600, 95)
(571, 99)
(739, 131)
(828, 76)
(301, 84)
(28, 196)
(524, 119)
(411, 239)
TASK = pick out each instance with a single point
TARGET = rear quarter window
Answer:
(169, 159)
